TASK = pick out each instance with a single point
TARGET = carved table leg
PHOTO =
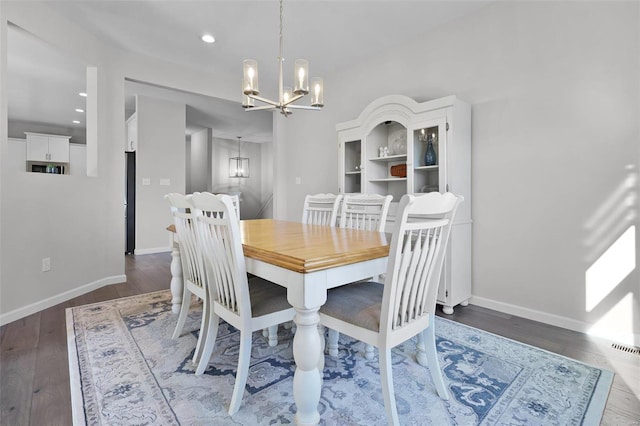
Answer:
(307, 381)
(176, 278)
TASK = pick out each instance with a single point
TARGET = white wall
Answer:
(70, 219)
(78, 220)
(266, 181)
(555, 104)
(199, 164)
(160, 157)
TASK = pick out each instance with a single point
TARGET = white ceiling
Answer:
(330, 34)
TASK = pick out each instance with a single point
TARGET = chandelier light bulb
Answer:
(301, 77)
(250, 80)
(317, 97)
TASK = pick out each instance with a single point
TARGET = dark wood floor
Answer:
(34, 374)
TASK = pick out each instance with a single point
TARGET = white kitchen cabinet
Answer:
(397, 123)
(132, 133)
(49, 148)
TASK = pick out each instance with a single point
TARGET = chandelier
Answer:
(286, 96)
(239, 166)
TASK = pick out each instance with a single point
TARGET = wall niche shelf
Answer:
(401, 125)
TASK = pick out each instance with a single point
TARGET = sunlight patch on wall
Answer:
(613, 216)
(617, 324)
(611, 268)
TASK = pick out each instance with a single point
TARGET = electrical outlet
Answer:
(46, 264)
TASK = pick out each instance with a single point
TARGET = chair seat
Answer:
(266, 297)
(359, 304)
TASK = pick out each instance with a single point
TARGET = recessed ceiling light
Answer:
(208, 38)
(84, 95)
(76, 122)
(79, 110)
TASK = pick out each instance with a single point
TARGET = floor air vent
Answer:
(634, 350)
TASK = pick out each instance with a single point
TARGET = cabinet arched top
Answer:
(398, 108)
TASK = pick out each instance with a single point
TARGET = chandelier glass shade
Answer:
(286, 95)
(239, 166)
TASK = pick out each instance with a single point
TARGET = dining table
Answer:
(307, 260)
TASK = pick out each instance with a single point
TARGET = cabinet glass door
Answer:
(352, 167)
(429, 148)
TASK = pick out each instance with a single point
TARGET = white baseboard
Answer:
(557, 320)
(152, 250)
(38, 306)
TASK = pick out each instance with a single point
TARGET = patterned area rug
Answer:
(126, 370)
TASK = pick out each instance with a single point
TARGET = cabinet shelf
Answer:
(390, 179)
(426, 167)
(390, 158)
(354, 172)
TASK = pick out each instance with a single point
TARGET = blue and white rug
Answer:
(126, 370)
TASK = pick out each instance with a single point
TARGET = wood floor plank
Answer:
(51, 391)
(16, 386)
(22, 334)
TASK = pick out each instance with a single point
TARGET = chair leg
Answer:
(332, 344)
(386, 377)
(272, 332)
(209, 343)
(429, 338)
(265, 332)
(184, 311)
(204, 324)
(368, 352)
(241, 374)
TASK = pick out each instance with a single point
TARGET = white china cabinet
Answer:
(384, 151)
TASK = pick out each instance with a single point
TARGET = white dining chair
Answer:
(321, 209)
(194, 277)
(248, 305)
(386, 316)
(367, 212)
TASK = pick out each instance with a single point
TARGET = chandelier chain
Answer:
(281, 28)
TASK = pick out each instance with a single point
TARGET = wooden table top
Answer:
(307, 248)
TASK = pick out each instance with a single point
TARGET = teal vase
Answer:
(430, 154)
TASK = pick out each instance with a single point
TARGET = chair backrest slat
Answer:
(184, 222)
(321, 209)
(219, 236)
(418, 246)
(365, 211)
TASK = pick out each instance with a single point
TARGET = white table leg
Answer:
(176, 278)
(307, 380)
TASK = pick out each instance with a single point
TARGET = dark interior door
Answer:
(130, 211)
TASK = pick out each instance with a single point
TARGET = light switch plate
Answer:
(146, 181)
(165, 182)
